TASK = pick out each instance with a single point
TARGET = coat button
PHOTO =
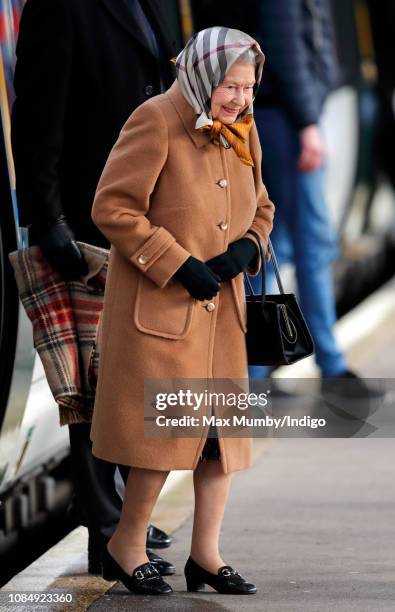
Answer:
(148, 90)
(223, 225)
(142, 259)
(210, 306)
(222, 183)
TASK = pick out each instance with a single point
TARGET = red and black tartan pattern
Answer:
(65, 317)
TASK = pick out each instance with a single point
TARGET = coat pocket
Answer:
(166, 312)
(240, 300)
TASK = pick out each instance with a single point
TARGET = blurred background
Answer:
(359, 127)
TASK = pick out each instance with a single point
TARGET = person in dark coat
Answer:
(301, 70)
(298, 39)
(300, 45)
(82, 68)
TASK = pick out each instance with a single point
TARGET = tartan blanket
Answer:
(65, 317)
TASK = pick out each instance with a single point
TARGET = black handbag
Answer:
(277, 333)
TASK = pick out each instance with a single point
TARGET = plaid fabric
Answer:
(65, 317)
(204, 62)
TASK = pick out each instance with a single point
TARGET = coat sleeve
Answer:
(42, 76)
(122, 198)
(263, 221)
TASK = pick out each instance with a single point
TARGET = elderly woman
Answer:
(181, 189)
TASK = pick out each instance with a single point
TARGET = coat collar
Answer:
(187, 115)
(123, 15)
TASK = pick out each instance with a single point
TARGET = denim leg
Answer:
(302, 233)
(315, 247)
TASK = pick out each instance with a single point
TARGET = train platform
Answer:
(311, 523)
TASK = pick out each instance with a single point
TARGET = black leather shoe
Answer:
(227, 580)
(156, 538)
(165, 568)
(95, 553)
(144, 580)
(349, 386)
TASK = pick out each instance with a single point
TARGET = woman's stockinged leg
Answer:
(211, 486)
(128, 543)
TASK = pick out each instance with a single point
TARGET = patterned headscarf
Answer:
(204, 62)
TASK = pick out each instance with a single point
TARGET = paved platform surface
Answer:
(312, 524)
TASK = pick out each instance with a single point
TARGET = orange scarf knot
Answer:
(236, 135)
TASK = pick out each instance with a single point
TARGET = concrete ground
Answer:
(311, 524)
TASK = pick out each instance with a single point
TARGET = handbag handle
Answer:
(263, 267)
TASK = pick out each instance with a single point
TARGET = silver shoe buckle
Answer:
(139, 575)
(226, 572)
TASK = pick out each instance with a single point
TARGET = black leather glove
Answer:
(198, 279)
(59, 247)
(237, 258)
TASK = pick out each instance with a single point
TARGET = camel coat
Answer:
(166, 193)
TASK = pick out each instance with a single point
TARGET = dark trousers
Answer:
(94, 484)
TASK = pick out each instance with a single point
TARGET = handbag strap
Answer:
(263, 267)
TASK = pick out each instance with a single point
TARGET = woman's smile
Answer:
(231, 111)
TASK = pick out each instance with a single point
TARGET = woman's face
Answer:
(234, 94)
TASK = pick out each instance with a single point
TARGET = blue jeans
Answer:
(302, 234)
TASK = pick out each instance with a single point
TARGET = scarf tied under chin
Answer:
(235, 134)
